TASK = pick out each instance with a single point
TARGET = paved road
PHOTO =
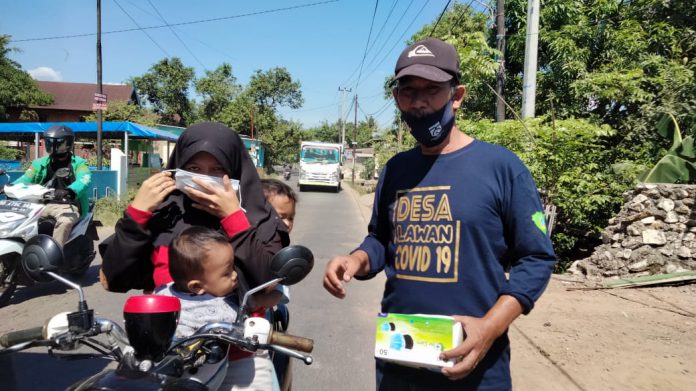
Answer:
(343, 331)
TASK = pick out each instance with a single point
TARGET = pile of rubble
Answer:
(655, 233)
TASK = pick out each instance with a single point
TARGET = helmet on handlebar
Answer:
(59, 140)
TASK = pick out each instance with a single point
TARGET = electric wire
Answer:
(349, 78)
(465, 11)
(373, 43)
(367, 44)
(176, 35)
(384, 24)
(388, 54)
(440, 18)
(141, 29)
(275, 10)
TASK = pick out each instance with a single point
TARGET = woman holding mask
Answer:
(137, 256)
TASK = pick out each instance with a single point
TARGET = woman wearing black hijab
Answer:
(137, 255)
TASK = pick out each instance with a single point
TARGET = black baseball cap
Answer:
(431, 59)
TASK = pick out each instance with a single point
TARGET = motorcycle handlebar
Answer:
(291, 342)
(16, 337)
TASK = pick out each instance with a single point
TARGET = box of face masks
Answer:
(416, 340)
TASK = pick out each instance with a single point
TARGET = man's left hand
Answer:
(479, 335)
(478, 339)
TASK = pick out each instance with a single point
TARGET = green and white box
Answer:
(416, 340)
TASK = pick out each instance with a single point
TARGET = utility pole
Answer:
(500, 76)
(252, 122)
(355, 135)
(99, 86)
(530, 59)
(343, 119)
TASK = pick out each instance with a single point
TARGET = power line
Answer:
(438, 19)
(181, 23)
(176, 35)
(381, 47)
(379, 33)
(367, 44)
(140, 28)
(398, 40)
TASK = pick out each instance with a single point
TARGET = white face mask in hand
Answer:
(185, 178)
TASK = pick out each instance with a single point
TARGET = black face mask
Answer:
(430, 130)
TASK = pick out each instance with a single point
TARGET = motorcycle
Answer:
(21, 220)
(147, 357)
(287, 172)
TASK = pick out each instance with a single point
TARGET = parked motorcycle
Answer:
(21, 220)
(147, 358)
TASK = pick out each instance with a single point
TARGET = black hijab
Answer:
(176, 212)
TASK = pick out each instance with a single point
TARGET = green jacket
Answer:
(39, 169)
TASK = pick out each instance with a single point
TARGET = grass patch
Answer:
(109, 209)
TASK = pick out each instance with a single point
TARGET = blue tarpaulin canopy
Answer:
(19, 130)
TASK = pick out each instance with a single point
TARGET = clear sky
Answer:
(322, 45)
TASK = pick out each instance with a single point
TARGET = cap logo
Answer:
(420, 51)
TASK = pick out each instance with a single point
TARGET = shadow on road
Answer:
(25, 293)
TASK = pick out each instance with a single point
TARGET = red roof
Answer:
(79, 96)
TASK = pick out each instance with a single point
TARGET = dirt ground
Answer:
(618, 339)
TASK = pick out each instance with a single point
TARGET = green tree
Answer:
(218, 88)
(165, 86)
(622, 63)
(239, 113)
(121, 110)
(275, 88)
(283, 142)
(326, 132)
(17, 89)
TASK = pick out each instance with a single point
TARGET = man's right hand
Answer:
(153, 191)
(342, 268)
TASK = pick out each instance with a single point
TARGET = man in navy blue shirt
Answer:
(450, 217)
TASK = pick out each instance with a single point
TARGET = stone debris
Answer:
(654, 233)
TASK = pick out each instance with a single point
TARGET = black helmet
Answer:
(59, 140)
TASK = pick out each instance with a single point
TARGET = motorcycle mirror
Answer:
(292, 263)
(63, 172)
(41, 254)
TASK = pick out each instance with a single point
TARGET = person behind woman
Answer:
(136, 256)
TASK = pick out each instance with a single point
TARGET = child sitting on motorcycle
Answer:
(71, 196)
(201, 263)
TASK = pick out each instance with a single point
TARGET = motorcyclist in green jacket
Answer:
(71, 196)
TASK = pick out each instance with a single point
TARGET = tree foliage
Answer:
(17, 89)
(622, 63)
(218, 88)
(283, 142)
(570, 160)
(165, 87)
(275, 88)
